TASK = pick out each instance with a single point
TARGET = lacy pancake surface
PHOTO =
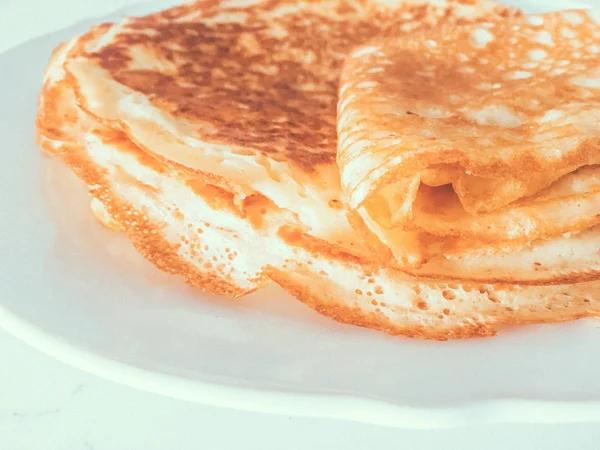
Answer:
(486, 123)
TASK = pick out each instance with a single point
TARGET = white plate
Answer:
(81, 294)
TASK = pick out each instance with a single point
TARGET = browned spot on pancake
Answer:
(119, 139)
(336, 204)
(297, 237)
(216, 197)
(255, 208)
(124, 176)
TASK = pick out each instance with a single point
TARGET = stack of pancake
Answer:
(453, 192)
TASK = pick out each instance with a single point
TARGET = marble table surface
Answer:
(46, 405)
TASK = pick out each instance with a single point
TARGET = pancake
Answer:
(228, 177)
(195, 230)
(490, 120)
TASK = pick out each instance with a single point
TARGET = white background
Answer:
(45, 405)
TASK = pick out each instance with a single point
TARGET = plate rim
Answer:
(279, 402)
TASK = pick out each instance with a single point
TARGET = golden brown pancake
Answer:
(215, 152)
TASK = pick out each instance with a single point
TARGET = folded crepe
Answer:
(207, 134)
(476, 148)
